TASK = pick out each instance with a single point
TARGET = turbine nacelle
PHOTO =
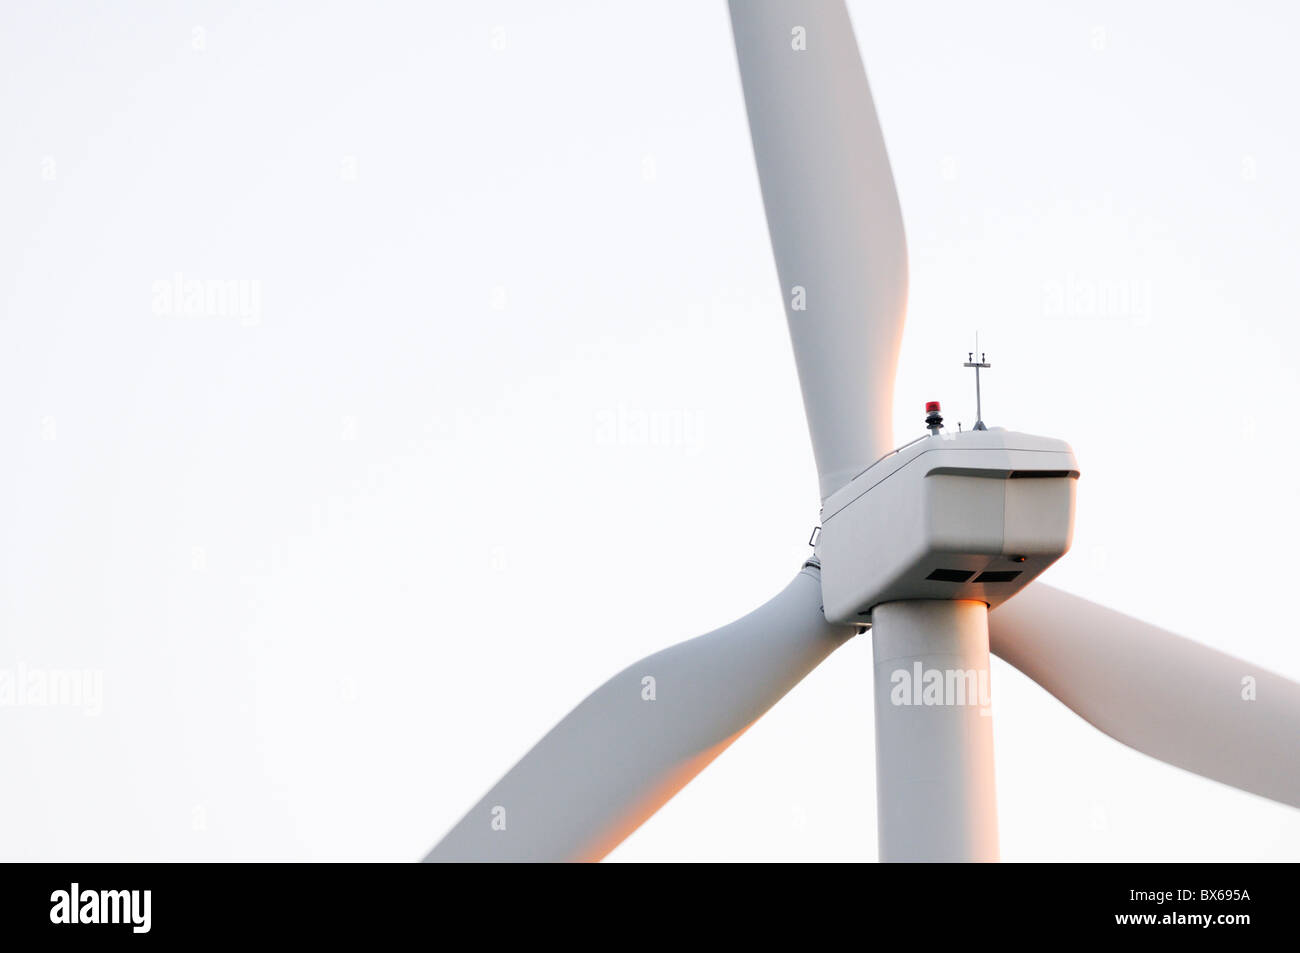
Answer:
(973, 515)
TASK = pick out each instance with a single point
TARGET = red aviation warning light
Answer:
(933, 419)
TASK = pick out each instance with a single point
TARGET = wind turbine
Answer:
(931, 546)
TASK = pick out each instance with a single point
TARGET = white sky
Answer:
(341, 565)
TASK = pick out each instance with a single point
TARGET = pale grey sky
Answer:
(504, 400)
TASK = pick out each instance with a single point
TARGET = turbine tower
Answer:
(932, 547)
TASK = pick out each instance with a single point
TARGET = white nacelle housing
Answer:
(972, 515)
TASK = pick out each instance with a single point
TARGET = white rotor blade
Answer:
(834, 221)
(632, 744)
(1164, 695)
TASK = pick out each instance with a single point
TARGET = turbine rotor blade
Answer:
(834, 221)
(632, 744)
(1166, 696)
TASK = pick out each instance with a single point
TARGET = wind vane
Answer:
(971, 362)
